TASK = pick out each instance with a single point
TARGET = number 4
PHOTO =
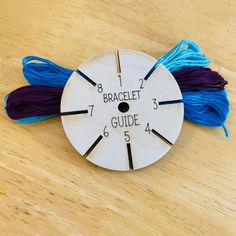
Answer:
(147, 129)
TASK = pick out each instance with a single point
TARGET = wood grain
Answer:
(46, 188)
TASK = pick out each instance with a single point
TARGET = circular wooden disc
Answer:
(122, 121)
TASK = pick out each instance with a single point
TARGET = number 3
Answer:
(155, 103)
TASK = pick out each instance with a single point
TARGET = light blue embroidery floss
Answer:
(34, 119)
(185, 54)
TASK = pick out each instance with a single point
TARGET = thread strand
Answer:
(204, 106)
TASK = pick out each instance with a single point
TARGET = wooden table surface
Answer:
(46, 188)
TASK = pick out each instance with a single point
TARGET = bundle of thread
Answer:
(204, 96)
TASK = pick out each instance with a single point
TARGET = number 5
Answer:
(127, 137)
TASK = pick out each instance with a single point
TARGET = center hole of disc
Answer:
(123, 107)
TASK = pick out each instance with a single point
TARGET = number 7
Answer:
(91, 111)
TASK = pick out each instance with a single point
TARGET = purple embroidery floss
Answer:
(33, 101)
(193, 78)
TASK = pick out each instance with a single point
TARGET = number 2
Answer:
(141, 85)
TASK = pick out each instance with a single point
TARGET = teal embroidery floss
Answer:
(45, 72)
(207, 107)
